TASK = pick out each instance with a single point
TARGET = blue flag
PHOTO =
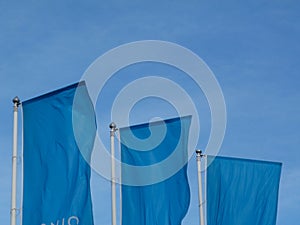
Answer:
(155, 189)
(56, 187)
(242, 192)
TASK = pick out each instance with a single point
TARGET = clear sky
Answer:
(251, 46)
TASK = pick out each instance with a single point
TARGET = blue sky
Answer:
(252, 48)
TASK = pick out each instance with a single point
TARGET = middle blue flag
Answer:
(155, 189)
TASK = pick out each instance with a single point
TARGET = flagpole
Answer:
(13, 211)
(199, 155)
(113, 129)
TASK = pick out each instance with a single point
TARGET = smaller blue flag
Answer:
(159, 203)
(242, 191)
(56, 187)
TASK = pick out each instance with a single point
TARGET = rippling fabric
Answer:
(242, 192)
(56, 187)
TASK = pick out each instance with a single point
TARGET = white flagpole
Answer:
(13, 211)
(199, 155)
(113, 128)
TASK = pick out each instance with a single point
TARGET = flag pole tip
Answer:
(16, 100)
(198, 152)
(112, 126)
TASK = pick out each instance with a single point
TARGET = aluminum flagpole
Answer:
(113, 129)
(199, 155)
(13, 211)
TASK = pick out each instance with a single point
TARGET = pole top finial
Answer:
(198, 151)
(16, 100)
(112, 126)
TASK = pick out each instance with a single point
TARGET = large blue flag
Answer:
(242, 192)
(56, 188)
(156, 189)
